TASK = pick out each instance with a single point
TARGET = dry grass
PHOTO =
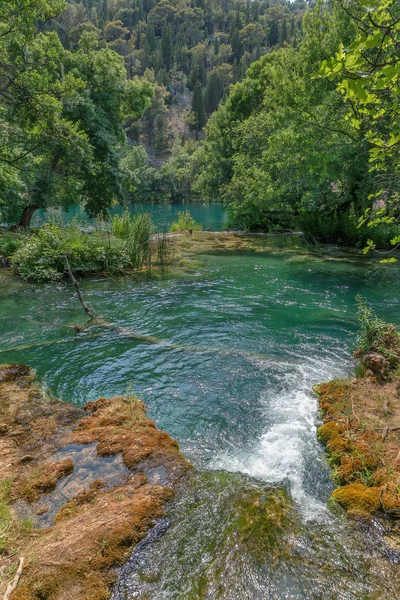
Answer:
(360, 431)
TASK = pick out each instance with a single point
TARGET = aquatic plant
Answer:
(138, 242)
(122, 225)
(185, 222)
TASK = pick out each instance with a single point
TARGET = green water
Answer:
(212, 216)
(240, 341)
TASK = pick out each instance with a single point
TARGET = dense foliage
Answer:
(123, 246)
(61, 115)
(368, 74)
(378, 342)
(78, 79)
(181, 43)
(282, 151)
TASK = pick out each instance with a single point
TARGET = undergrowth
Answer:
(376, 336)
(185, 222)
(122, 246)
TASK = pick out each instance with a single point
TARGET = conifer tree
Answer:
(198, 108)
(273, 36)
(166, 47)
(213, 93)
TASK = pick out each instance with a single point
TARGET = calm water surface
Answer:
(209, 215)
(240, 341)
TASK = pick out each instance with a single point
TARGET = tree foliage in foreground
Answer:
(368, 74)
(282, 150)
(61, 115)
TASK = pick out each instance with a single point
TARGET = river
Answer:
(242, 337)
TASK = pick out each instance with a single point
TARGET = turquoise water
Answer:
(212, 216)
(239, 342)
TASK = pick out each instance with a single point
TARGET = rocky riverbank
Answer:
(79, 488)
(361, 431)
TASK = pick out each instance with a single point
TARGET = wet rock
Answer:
(42, 509)
(377, 363)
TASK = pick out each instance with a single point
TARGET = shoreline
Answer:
(361, 435)
(80, 487)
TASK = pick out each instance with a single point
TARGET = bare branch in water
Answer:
(88, 309)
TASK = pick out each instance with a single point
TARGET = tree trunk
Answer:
(27, 215)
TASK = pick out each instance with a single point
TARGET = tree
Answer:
(198, 109)
(218, 80)
(273, 35)
(213, 93)
(161, 135)
(166, 46)
(61, 116)
(114, 30)
(252, 36)
(280, 151)
(369, 74)
(237, 46)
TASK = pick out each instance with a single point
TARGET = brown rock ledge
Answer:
(95, 529)
(361, 431)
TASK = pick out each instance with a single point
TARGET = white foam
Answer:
(281, 453)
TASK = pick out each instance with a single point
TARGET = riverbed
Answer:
(236, 339)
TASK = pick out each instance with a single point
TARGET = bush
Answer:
(185, 222)
(378, 342)
(42, 256)
(9, 243)
(123, 246)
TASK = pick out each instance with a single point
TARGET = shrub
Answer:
(185, 222)
(122, 225)
(9, 243)
(376, 337)
(42, 256)
(126, 245)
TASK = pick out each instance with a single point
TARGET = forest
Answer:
(96, 95)
(286, 112)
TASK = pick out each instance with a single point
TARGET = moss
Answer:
(356, 514)
(330, 431)
(362, 461)
(45, 479)
(16, 373)
(85, 497)
(357, 496)
(96, 530)
(261, 522)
